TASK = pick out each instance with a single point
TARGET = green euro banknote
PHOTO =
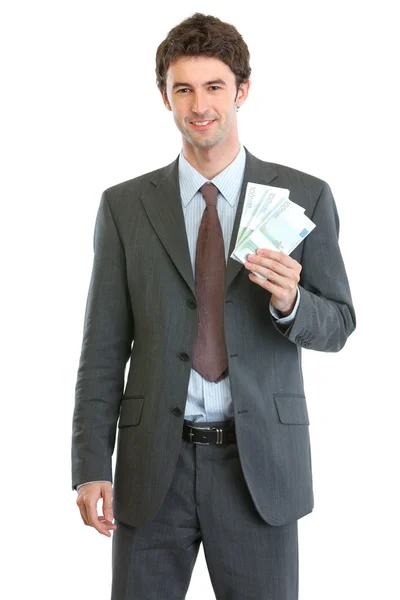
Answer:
(259, 202)
(283, 231)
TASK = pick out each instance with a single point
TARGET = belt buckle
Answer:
(219, 434)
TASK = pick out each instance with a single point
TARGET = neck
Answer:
(210, 161)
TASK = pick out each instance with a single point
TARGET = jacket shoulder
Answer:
(136, 184)
(295, 176)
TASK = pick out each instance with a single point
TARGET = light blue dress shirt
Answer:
(208, 401)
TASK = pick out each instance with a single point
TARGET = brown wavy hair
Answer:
(204, 35)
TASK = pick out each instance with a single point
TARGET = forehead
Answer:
(197, 70)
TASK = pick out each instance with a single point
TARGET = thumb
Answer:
(107, 503)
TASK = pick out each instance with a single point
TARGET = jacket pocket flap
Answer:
(292, 409)
(131, 410)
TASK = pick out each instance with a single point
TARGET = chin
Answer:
(205, 143)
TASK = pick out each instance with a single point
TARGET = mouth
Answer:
(202, 125)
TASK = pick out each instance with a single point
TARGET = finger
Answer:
(279, 257)
(273, 266)
(93, 518)
(84, 517)
(107, 503)
(275, 290)
(270, 275)
(276, 267)
(269, 263)
(82, 509)
(107, 524)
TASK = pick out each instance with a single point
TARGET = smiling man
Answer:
(204, 111)
(213, 443)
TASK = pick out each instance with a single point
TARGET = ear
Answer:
(243, 93)
(165, 100)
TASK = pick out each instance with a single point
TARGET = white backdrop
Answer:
(81, 112)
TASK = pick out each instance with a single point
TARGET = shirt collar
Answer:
(228, 181)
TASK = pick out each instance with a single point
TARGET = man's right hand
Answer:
(88, 496)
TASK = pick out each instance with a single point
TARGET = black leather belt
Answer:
(206, 435)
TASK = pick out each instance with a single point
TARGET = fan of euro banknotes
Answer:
(270, 220)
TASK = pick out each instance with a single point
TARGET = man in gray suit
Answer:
(213, 438)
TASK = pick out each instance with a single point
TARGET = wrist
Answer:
(285, 311)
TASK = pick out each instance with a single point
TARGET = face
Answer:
(201, 93)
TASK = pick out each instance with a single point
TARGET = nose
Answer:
(200, 104)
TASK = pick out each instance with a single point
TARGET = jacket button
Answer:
(184, 356)
(192, 303)
(177, 411)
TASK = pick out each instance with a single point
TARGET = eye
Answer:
(182, 90)
(216, 86)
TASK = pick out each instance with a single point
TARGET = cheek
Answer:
(180, 112)
(227, 117)
(179, 119)
(228, 112)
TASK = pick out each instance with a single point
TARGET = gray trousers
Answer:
(208, 501)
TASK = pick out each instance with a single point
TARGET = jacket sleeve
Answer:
(325, 317)
(107, 339)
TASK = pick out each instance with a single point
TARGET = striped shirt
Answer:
(206, 400)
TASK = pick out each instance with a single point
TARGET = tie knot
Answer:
(210, 193)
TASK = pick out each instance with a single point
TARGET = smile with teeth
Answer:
(202, 122)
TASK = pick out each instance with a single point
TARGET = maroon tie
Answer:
(210, 358)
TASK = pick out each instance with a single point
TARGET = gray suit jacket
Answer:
(142, 291)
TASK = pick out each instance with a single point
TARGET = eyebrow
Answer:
(214, 82)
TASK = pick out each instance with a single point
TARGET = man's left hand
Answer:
(283, 275)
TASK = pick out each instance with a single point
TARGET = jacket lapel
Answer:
(162, 203)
